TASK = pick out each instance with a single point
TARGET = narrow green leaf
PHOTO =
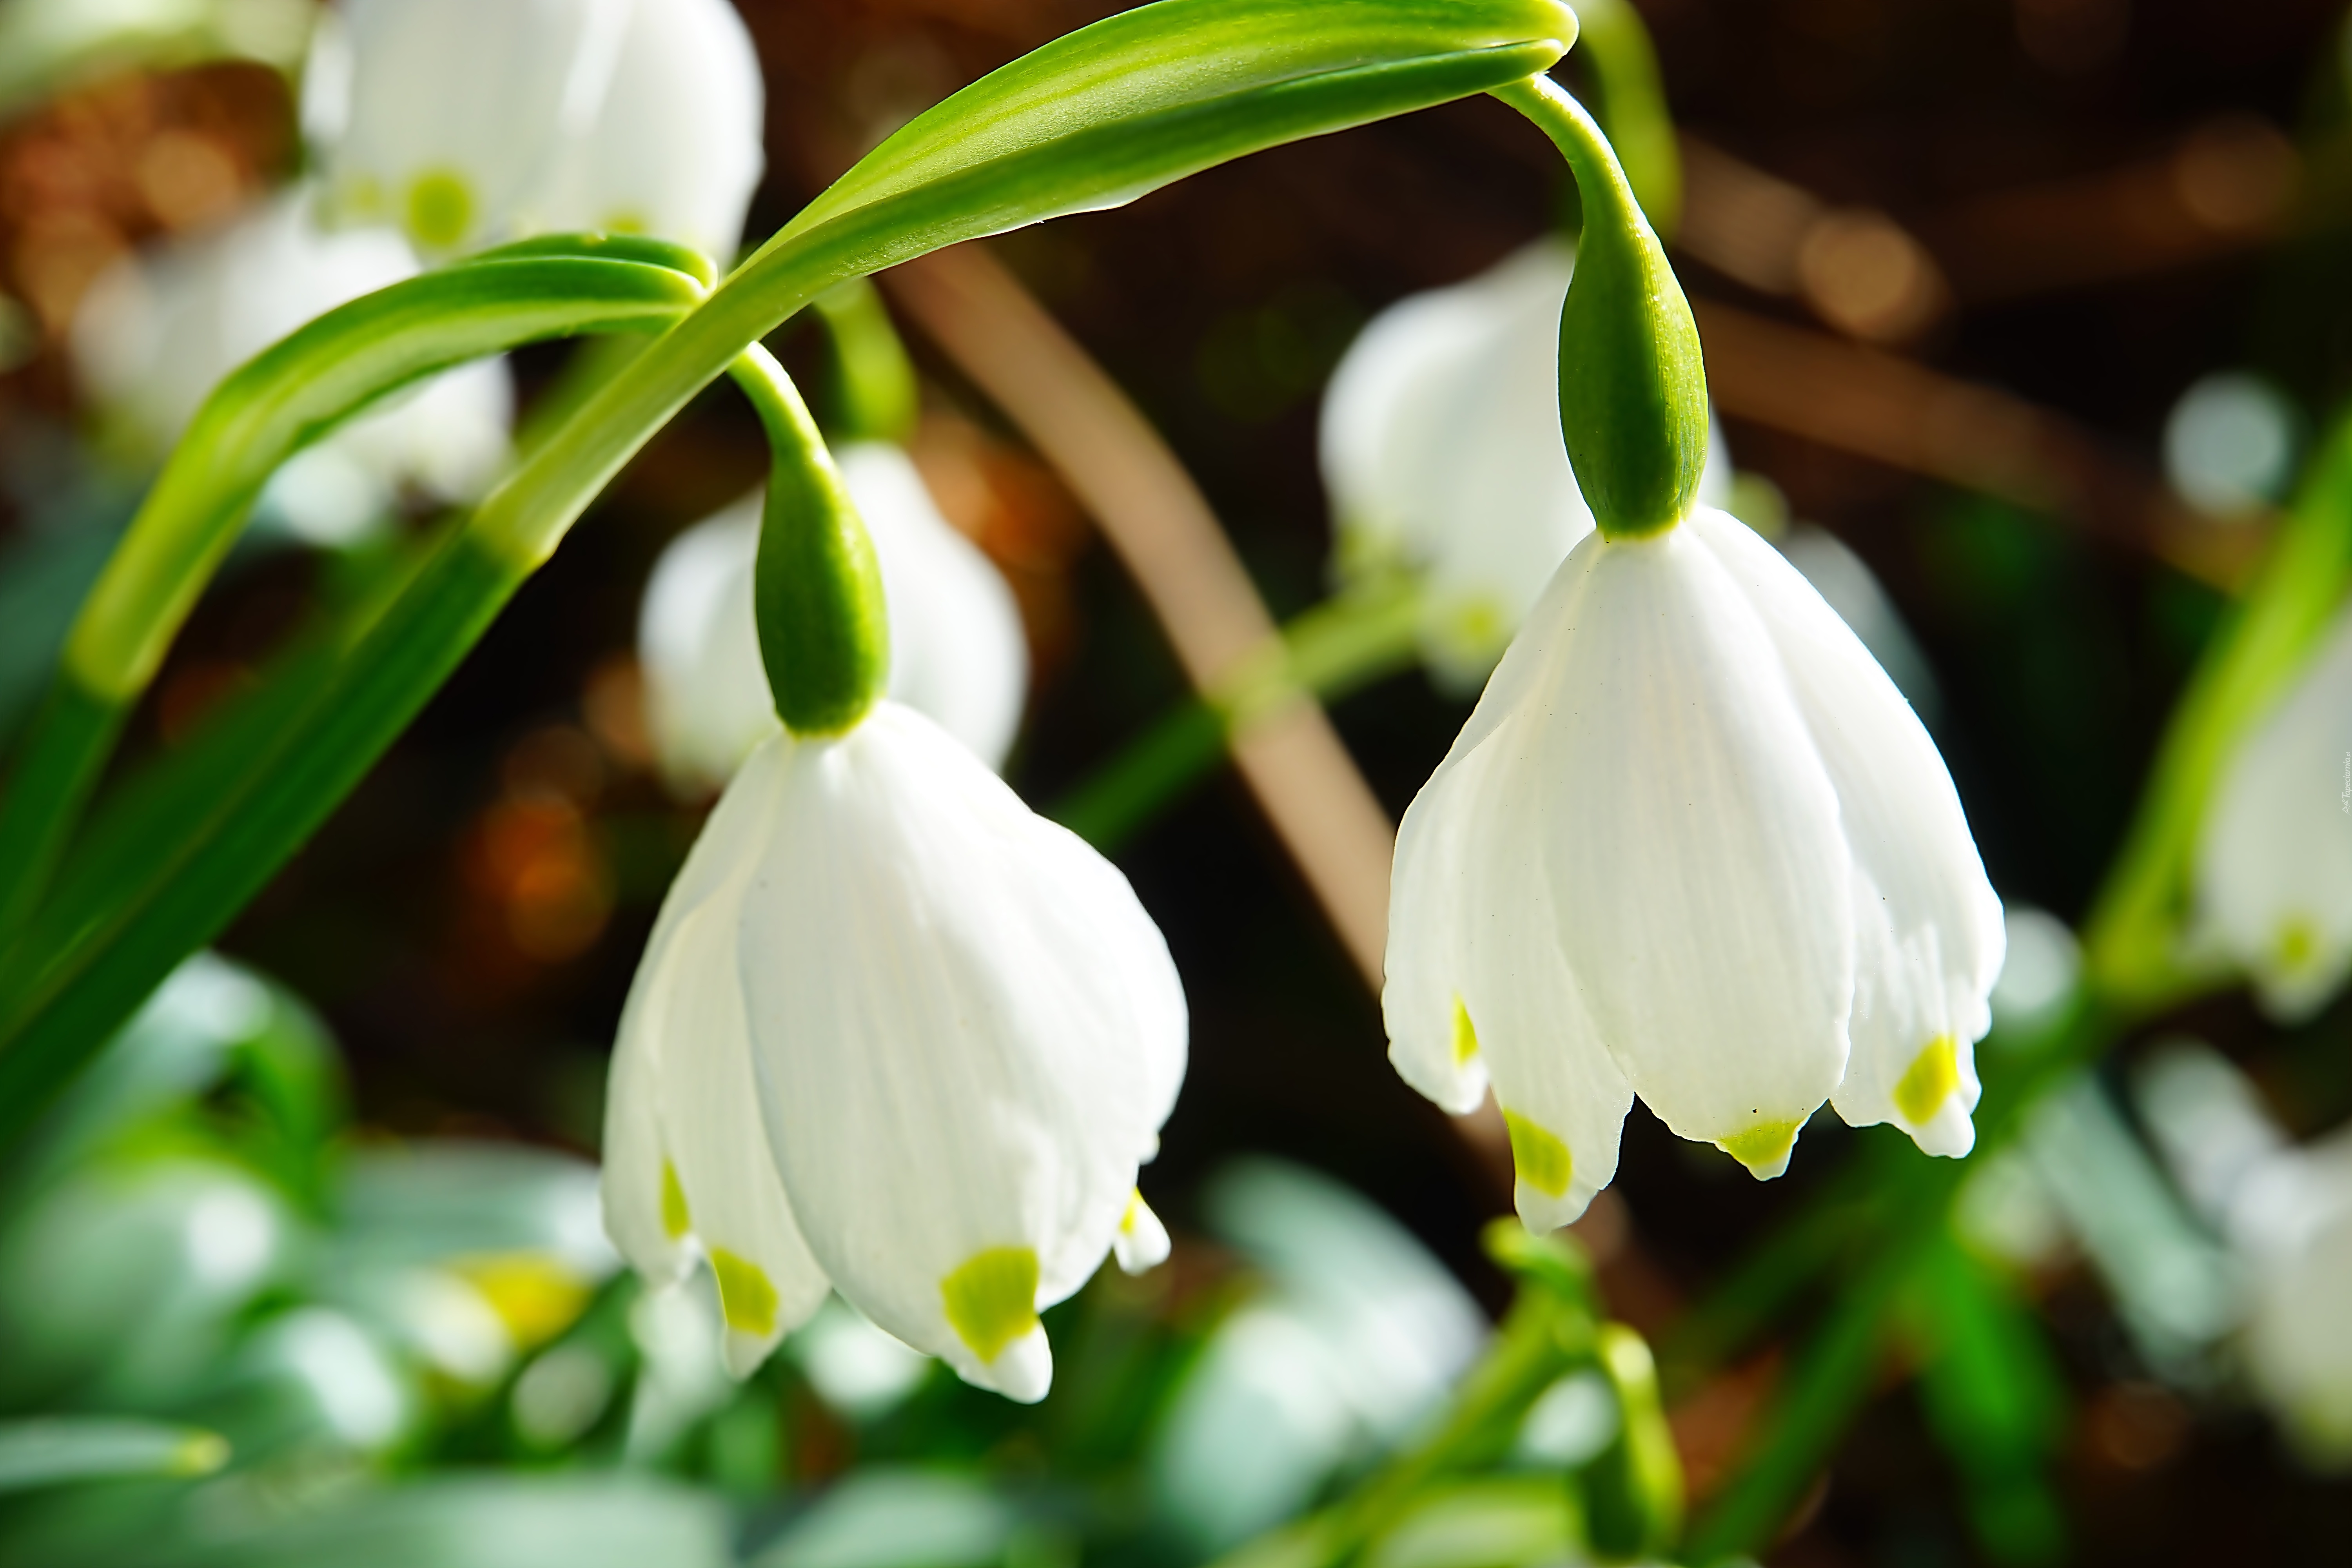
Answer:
(52, 1450)
(1119, 109)
(303, 386)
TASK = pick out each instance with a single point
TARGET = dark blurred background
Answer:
(2083, 207)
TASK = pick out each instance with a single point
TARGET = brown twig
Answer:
(1157, 519)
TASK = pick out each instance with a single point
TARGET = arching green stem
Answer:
(874, 397)
(1632, 383)
(1622, 64)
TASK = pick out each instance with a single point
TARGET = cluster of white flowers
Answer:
(442, 126)
(467, 122)
(957, 652)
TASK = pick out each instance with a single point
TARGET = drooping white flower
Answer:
(2296, 1232)
(2274, 858)
(1692, 846)
(467, 122)
(158, 331)
(2285, 1211)
(1441, 453)
(957, 647)
(897, 1034)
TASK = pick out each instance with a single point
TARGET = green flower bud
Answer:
(816, 589)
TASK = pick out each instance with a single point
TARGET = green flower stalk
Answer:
(1633, 385)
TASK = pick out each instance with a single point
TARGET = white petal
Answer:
(686, 1152)
(675, 147)
(964, 1025)
(1928, 926)
(1702, 882)
(958, 652)
(458, 109)
(2275, 860)
(1141, 1243)
(1478, 983)
(1430, 921)
(636, 1177)
(707, 701)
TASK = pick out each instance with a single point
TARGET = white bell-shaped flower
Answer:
(467, 122)
(2274, 860)
(1692, 844)
(676, 147)
(158, 330)
(897, 1034)
(2291, 1225)
(958, 652)
(450, 118)
(1441, 454)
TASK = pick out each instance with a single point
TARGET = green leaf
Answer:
(53, 1450)
(1996, 1399)
(1119, 109)
(488, 1521)
(303, 386)
(898, 1518)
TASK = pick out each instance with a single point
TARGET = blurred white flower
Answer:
(2274, 860)
(1692, 844)
(1354, 1341)
(2296, 1232)
(158, 331)
(897, 1034)
(957, 652)
(2286, 1212)
(1441, 453)
(467, 122)
(676, 147)
(2229, 444)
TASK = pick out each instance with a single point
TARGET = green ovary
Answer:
(1763, 1144)
(992, 1299)
(677, 1218)
(1542, 1161)
(746, 1300)
(1929, 1081)
(440, 209)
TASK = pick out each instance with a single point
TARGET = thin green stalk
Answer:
(1542, 1339)
(1829, 1383)
(2131, 943)
(1327, 652)
(1616, 49)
